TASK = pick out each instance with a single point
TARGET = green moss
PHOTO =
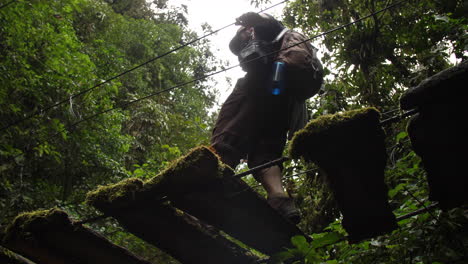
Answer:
(8, 256)
(120, 193)
(330, 134)
(248, 250)
(27, 224)
(201, 165)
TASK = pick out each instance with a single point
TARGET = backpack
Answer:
(304, 71)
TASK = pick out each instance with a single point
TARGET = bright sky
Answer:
(220, 13)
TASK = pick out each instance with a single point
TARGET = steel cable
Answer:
(46, 109)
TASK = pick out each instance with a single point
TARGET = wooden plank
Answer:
(49, 236)
(436, 134)
(138, 207)
(201, 185)
(182, 236)
(350, 148)
(437, 138)
(232, 206)
(445, 86)
(214, 196)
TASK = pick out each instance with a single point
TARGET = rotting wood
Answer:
(49, 236)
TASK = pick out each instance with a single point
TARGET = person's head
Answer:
(242, 37)
(253, 25)
(267, 27)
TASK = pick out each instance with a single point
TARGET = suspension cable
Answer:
(197, 79)
(45, 109)
(398, 117)
(237, 65)
(87, 118)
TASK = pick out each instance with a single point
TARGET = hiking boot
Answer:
(285, 207)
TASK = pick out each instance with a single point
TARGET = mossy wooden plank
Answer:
(446, 85)
(437, 138)
(201, 185)
(437, 135)
(350, 148)
(49, 236)
(138, 206)
(213, 195)
(182, 236)
(344, 136)
(181, 176)
(232, 206)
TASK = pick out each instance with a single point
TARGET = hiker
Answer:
(267, 105)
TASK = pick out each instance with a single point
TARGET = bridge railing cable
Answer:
(121, 106)
(80, 93)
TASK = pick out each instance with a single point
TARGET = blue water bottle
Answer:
(278, 78)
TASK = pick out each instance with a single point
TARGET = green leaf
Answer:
(327, 239)
(300, 242)
(401, 135)
(396, 190)
(281, 256)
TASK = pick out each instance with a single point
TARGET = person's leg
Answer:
(277, 198)
(270, 178)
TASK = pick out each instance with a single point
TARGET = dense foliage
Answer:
(51, 51)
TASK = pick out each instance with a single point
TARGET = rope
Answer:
(300, 173)
(420, 202)
(263, 166)
(197, 79)
(390, 111)
(399, 117)
(43, 110)
(211, 74)
(249, 61)
(417, 212)
(331, 31)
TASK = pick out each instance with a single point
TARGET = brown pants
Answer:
(252, 124)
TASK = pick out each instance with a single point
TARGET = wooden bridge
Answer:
(196, 209)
